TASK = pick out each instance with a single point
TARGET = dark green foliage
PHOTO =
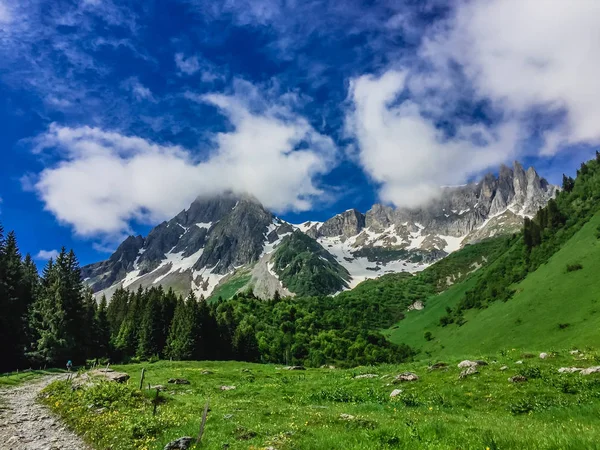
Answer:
(59, 316)
(574, 267)
(306, 268)
(185, 327)
(567, 183)
(428, 336)
(18, 284)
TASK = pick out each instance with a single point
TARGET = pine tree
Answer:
(245, 343)
(126, 340)
(168, 302)
(90, 309)
(48, 317)
(150, 331)
(568, 183)
(181, 344)
(59, 315)
(117, 309)
(15, 300)
(102, 329)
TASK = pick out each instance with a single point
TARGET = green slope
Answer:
(232, 285)
(551, 309)
(306, 268)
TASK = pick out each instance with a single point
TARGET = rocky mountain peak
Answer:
(349, 223)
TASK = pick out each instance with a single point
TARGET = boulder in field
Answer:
(544, 355)
(468, 371)
(110, 375)
(590, 370)
(438, 365)
(503, 368)
(227, 388)
(366, 375)
(395, 393)
(468, 363)
(406, 376)
(183, 443)
(346, 416)
(569, 369)
(295, 368)
(517, 379)
(178, 381)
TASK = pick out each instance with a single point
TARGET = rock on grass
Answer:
(406, 376)
(183, 443)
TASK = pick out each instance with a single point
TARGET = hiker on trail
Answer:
(69, 365)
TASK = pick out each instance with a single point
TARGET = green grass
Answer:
(552, 308)
(15, 378)
(231, 287)
(301, 409)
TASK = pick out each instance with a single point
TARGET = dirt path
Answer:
(27, 425)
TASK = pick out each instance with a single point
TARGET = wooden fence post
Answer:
(203, 423)
(142, 379)
(155, 402)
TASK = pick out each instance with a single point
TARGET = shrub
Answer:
(562, 326)
(531, 372)
(428, 336)
(574, 267)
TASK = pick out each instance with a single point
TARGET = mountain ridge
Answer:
(216, 236)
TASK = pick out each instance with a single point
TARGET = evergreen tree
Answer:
(16, 296)
(48, 317)
(168, 302)
(102, 329)
(181, 344)
(245, 343)
(151, 330)
(90, 309)
(126, 341)
(568, 183)
(59, 313)
(117, 309)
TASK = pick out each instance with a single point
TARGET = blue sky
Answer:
(115, 115)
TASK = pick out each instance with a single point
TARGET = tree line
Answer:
(49, 318)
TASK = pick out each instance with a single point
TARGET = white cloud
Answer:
(522, 56)
(189, 65)
(405, 153)
(45, 255)
(5, 14)
(138, 90)
(105, 179)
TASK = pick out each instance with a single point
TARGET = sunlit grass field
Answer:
(281, 409)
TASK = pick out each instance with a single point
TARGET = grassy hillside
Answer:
(552, 308)
(233, 284)
(306, 268)
(331, 409)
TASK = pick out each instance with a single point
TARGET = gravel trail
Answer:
(28, 425)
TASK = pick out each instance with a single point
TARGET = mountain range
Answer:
(226, 243)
